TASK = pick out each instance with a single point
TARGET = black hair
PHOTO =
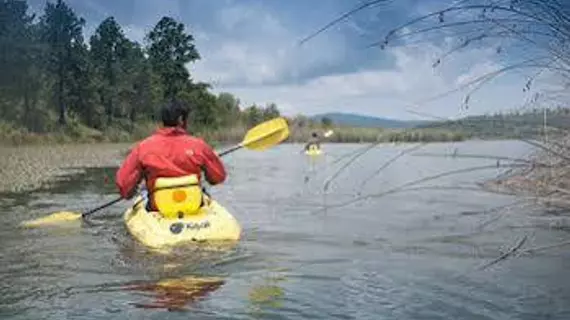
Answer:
(170, 113)
(314, 134)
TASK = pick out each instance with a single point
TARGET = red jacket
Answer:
(169, 152)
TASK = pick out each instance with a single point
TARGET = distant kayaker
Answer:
(313, 141)
(168, 153)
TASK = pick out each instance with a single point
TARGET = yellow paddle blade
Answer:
(189, 283)
(266, 134)
(55, 218)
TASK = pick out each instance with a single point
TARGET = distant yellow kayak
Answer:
(211, 222)
(313, 151)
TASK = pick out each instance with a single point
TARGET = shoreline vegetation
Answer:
(78, 134)
(503, 126)
(545, 179)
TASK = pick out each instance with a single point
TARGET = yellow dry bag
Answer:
(177, 197)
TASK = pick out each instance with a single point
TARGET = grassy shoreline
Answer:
(546, 177)
(79, 134)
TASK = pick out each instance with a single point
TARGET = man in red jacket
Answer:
(169, 152)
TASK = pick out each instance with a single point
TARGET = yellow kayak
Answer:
(313, 151)
(213, 222)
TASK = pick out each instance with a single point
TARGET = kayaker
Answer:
(314, 140)
(168, 153)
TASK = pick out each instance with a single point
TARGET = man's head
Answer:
(174, 114)
(314, 134)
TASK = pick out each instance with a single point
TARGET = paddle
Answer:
(258, 138)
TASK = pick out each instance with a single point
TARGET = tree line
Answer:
(53, 77)
(515, 124)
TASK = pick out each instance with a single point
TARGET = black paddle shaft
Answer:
(108, 204)
(230, 150)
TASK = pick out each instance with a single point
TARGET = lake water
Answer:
(405, 255)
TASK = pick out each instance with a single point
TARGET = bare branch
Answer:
(460, 8)
(507, 254)
(547, 247)
(349, 162)
(422, 180)
(476, 156)
(387, 163)
(364, 148)
(449, 25)
(547, 149)
(529, 63)
(340, 18)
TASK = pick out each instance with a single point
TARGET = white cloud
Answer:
(388, 92)
(255, 48)
(478, 71)
(252, 65)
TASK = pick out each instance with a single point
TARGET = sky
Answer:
(252, 49)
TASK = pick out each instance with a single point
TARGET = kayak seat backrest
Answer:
(177, 197)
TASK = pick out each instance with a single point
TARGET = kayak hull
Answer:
(211, 223)
(313, 152)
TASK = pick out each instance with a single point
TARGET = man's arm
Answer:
(129, 174)
(212, 165)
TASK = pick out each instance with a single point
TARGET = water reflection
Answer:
(175, 294)
(265, 296)
(172, 294)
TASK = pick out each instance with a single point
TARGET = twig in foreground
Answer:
(550, 246)
(340, 18)
(545, 148)
(389, 162)
(418, 181)
(506, 254)
(475, 156)
(352, 153)
(349, 162)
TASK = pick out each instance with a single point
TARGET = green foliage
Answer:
(302, 127)
(62, 32)
(203, 112)
(53, 82)
(228, 108)
(253, 115)
(109, 50)
(170, 50)
(270, 111)
(326, 122)
(19, 61)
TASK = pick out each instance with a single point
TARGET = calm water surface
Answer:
(408, 255)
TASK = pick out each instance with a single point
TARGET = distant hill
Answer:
(357, 120)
